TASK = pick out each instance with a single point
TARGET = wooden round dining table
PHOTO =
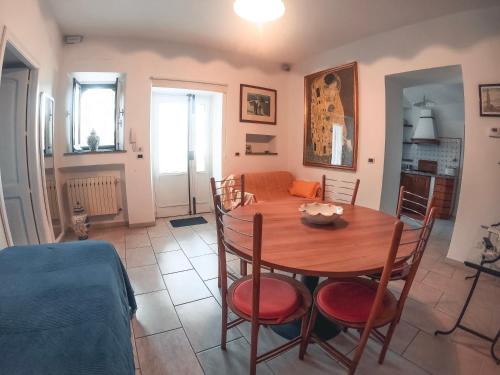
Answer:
(356, 244)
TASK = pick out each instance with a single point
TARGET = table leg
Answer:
(323, 328)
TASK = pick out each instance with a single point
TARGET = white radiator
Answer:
(52, 197)
(97, 195)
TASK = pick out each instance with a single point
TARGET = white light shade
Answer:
(259, 10)
(426, 128)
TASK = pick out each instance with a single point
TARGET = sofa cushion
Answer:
(304, 189)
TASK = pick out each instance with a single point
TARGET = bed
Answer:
(65, 309)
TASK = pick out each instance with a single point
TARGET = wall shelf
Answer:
(260, 144)
(261, 153)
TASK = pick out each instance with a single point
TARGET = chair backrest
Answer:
(241, 236)
(416, 238)
(337, 189)
(231, 191)
(413, 206)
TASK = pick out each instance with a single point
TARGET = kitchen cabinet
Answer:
(443, 189)
(419, 185)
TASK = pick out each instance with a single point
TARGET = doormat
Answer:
(177, 223)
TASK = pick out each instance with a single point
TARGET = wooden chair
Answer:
(401, 270)
(374, 305)
(261, 298)
(339, 190)
(234, 198)
(413, 206)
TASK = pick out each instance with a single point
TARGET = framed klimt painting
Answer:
(331, 118)
(489, 100)
(257, 105)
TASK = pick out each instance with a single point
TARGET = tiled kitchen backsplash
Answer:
(447, 153)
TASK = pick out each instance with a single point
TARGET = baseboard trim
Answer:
(142, 225)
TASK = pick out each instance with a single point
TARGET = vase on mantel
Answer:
(93, 140)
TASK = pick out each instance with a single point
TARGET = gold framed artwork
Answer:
(331, 118)
(257, 104)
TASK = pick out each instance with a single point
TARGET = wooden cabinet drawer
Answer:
(443, 189)
(442, 203)
(443, 195)
(445, 181)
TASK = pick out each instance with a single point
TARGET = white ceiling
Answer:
(308, 26)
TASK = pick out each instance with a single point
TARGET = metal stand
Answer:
(459, 324)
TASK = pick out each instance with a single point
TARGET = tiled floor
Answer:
(177, 326)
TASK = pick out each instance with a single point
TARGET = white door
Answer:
(13, 159)
(181, 144)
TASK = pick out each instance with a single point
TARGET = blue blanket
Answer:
(65, 309)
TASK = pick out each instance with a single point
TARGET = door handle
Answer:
(190, 155)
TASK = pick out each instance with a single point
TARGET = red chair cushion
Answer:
(278, 298)
(349, 301)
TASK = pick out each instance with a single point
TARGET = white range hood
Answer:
(425, 132)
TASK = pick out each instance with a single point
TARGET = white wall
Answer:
(141, 60)
(393, 146)
(33, 29)
(470, 39)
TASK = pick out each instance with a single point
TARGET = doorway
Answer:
(424, 145)
(186, 128)
(15, 106)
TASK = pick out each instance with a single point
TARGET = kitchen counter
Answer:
(419, 173)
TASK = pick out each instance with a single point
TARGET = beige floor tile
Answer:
(403, 336)
(173, 261)
(120, 248)
(316, 362)
(202, 323)
(233, 361)
(159, 230)
(393, 364)
(229, 256)
(440, 356)
(155, 313)
(134, 350)
(214, 288)
(133, 241)
(192, 244)
(207, 266)
(185, 287)
(447, 284)
(141, 256)
(209, 236)
(425, 294)
(443, 268)
(139, 230)
(167, 353)
(489, 367)
(425, 317)
(268, 340)
(146, 279)
(165, 243)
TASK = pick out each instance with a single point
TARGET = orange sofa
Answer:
(269, 186)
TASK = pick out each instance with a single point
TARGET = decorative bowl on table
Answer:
(320, 213)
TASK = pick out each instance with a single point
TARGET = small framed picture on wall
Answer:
(489, 100)
(257, 104)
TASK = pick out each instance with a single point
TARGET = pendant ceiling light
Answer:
(259, 11)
